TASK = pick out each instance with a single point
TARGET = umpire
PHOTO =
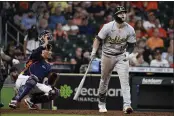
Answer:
(6, 61)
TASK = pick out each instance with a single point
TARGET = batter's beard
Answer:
(118, 20)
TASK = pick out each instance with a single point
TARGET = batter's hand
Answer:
(127, 56)
(93, 55)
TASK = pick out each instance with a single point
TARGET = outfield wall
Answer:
(151, 89)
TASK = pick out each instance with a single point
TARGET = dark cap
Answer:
(33, 27)
(30, 11)
(70, 17)
(120, 9)
(150, 14)
(157, 51)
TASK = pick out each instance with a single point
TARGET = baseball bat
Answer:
(82, 82)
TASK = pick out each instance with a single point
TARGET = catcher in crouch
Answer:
(30, 80)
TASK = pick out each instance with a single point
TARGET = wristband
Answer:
(94, 50)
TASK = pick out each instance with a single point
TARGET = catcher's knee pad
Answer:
(21, 89)
(32, 81)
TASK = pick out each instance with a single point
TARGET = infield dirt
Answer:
(84, 112)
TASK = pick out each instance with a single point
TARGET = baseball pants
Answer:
(40, 87)
(108, 63)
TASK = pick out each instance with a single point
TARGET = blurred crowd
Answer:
(75, 24)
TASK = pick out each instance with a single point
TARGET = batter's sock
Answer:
(102, 97)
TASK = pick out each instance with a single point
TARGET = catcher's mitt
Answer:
(53, 78)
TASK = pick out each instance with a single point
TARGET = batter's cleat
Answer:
(127, 110)
(13, 104)
(102, 107)
(30, 104)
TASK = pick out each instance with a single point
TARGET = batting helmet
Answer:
(119, 9)
(44, 33)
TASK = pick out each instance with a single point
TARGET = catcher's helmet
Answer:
(119, 9)
(44, 33)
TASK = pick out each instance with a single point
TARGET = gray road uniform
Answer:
(114, 44)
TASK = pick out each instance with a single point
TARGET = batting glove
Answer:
(127, 56)
(93, 53)
(92, 56)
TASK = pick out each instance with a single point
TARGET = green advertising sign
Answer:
(65, 91)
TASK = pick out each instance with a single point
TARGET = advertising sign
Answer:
(88, 98)
(155, 93)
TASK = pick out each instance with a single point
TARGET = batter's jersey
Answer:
(115, 39)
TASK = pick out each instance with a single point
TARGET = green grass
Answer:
(43, 115)
(6, 95)
(38, 115)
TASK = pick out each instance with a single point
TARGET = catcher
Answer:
(30, 80)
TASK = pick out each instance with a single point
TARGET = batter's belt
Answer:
(116, 54)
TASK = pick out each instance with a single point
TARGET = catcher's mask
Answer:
(44, 33)
(47, 53)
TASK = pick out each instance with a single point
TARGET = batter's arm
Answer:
(101, 35)
(131, 42)
(96, 44)
(130, 47)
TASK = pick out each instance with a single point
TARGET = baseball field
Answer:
(26, 112)
(23, 111)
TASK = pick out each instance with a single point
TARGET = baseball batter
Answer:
(118, 41)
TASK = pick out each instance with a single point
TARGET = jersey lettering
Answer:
(116, 40)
